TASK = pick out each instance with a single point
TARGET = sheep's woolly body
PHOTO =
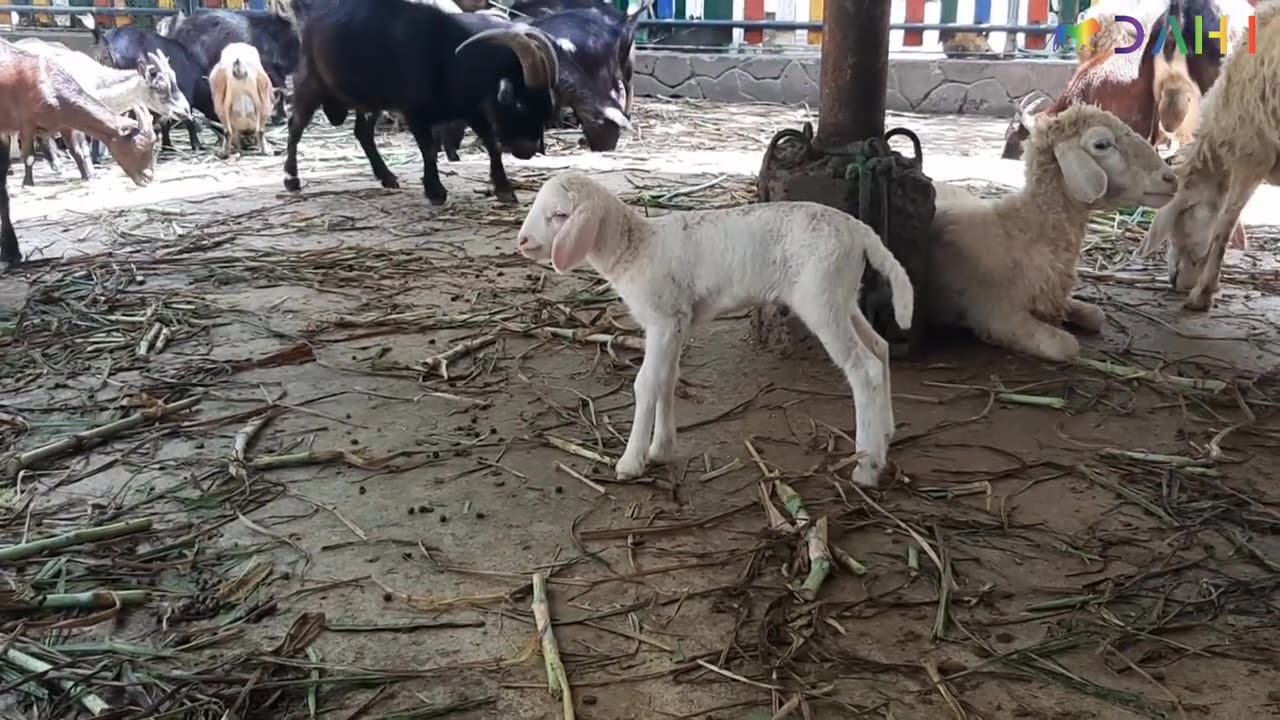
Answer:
(1010, 264)
(680, 270)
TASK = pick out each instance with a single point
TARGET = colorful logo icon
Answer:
(1081, 34)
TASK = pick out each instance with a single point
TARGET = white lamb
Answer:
(680, 270)
(242, 96)
(1006, 268)
(1235, 149)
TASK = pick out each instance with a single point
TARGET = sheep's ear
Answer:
(1239, 240)
(1161, 228)
(1086, 182)
(576, 238)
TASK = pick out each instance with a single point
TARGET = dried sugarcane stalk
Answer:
(440, 363)
(819, 560)
(91, 702)
(557, 678)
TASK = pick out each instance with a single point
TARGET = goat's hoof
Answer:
(7, 264)
(1198, 302)
(453, 156)
(506, 197)
(437, 200)
(292, 184)
(390, 183)
(629, 468)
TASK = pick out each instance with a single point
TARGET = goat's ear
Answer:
(1086, 182)
(1161, 228)
(1239, 240)
(577, 236)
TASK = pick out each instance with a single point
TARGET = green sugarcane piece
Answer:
(96, 599)
(36, 548)
(91, 702)
(791, 501)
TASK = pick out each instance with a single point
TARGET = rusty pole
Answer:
(855, 71)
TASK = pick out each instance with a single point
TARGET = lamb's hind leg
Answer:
(866, 373)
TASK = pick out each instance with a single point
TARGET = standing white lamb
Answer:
(683, 269)
(1235, 149)
(242, 96)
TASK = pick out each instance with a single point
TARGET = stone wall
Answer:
(924, 85)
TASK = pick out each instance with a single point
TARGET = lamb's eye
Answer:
(560, 214)
(1102, 145)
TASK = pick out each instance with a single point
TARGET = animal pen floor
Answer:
(1063, 542)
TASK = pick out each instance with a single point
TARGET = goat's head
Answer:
(134, 144)
(1101, 160)
(1024, 120)
(1186, 224)
(521, 106)
(564, 221)
(163, 94)
(166, 25)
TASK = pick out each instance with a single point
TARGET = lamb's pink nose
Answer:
(524, 242)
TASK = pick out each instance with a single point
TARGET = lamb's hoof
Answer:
(629, 468)
(506, 197)
(662, 454)
(1089, 318)
(292, 184)
(1198, 302)
(390, 183)
(867, 474)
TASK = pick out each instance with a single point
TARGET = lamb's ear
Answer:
(1161, 228)
(1239, 240)
(576, 238)
(1086, 182)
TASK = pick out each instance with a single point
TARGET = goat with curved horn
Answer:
(535, 50)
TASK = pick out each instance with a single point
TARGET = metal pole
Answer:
(855, 71)
(1011, 38)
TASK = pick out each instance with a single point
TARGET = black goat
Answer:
(124, 47)
(275, 37)
(375, 55)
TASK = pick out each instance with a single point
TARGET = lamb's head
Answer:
(1186, 222)
(164, 97)
(1098, 160)
(133, 146)
(564, 221)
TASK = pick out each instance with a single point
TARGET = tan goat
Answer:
(242, 96)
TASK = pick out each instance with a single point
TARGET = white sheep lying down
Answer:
(1235, 149)
(683, 269)
(1006, 268)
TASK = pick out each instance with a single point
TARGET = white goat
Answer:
(1235, 149)
(681, 270)
(242, 96)
(1006, 268)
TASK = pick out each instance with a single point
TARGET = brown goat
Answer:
(964, 44)
(39, 97)
(1121, 84)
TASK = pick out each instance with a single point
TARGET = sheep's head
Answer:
(564, 221)
(134, 144)
(1102, 162)
(163, 94)
(1024, 120)
(520, 107)
(1186, 224)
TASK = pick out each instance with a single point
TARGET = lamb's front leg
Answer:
(1023, 333)
(661, 352)
(1086, 316)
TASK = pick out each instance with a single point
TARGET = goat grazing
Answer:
(275, 37)
(1120, 83)
(151, 83)
(678, 271)
(38, 95)
(242, 94)
(1235, 149)
(431, 68)
(1009, 265)
(124, 47)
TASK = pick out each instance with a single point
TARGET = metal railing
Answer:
(1013, 26)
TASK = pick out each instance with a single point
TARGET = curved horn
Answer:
(535, 50)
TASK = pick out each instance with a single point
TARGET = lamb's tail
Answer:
(899, 282)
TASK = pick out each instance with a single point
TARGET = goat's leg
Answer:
(193, 133)
(9, 253)
(428, 146)
(1023, 333)
(73, 138)
(306, 100)
(96, 151)
(866, 374)
(364, 134)
(497, 173)
(46, 148)
(26, 144)
(1239, 190)
(1086, 316)
(661, 352)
